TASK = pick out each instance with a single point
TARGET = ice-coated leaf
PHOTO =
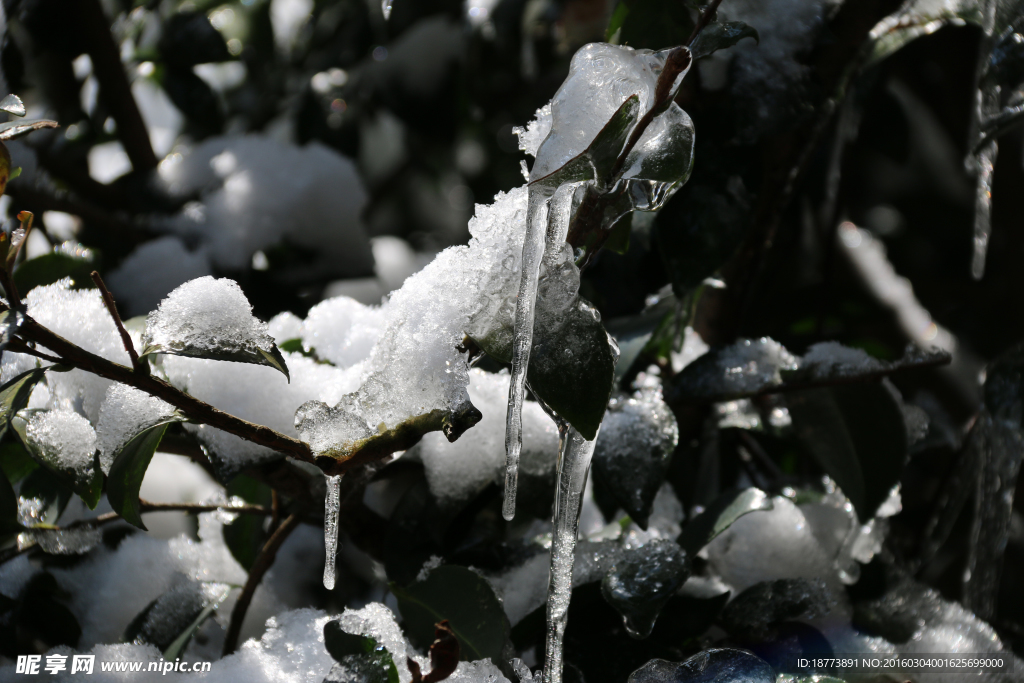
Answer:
(857, 434)
(359, 658)
(49, 268)
(746, 367)
(638, 437)
(170, 621)
(466, 600)
(12, 104)
(598, 159)
(643, 580)
(211, 318)
(721, 35)
(72, 541)
(129, 469)
(752, 613)
(15, 394)
(720, 515)
(42, 497)
(16, 129)
(65, 442)
(709, 666)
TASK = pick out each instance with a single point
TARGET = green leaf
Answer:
(344, 647)
(722, 35)
(16, 129)
(12, 104)
(169, 621)
(466, 600)
(651, 24)
(273, 358)
(245, 535)
(720, 515)
(598, 159)
(15, 461)
(581, 394)
(129, 469)
(49, 268)
(178, 645)
(857, 434)
(8, 508)
(15, 394)
(50, 490)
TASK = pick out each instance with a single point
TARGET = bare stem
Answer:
(108, 300)
(263, 562)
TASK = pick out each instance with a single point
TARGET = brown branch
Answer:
(19, 346)
(192, 408)
(263, 562)
(108, 300)
(94, 26)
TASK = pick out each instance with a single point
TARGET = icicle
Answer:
(385, 7)
(574, 457)
(522, 342)
(986, 161)
(331, 506)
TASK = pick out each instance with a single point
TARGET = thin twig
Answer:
(126, 338)
(263, 562)
(191, 407)
(18, 346)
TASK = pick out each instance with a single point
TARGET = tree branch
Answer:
(108, 300)
(191, 407)
(263, 562)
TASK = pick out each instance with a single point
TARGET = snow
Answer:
(456, 471)
(342, 330)
(207, 316)
(66, 440)
(143, 279)
(830, 359)
(125, 413)
(256, 192)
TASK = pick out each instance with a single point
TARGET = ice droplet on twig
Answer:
(985, 162)
(331, 506)
(385, 7)
(574, 457)
(522, 341)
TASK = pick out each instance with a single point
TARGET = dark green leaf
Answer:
(188, 38)
(857, 434)
(169, 621)
(651, 24)
(466, 600)
(615, 23)
(129, 469)
(720, 515)
(42, 618)
(15, 394)
(16, 129)
(273, 358)
(291, 346)
(719, 36)
(8, 508)
(49, 268)
(51, 491)
(12, 104)
(340, 643)
(245, 535)
(359, 652)
(643, 580)
(195, 99)
(15, 461)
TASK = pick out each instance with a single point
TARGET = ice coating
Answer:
(125, 413)
(985, 163)
(746, 366)
(75, 541)
(207, 315)
(642, 581)
(573, 465)
(65, 439)
(332, 505)
(830, 359)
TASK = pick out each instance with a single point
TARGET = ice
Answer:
(709, 666)
(342, 330)
(74, 541)
(638, 436)
(149, 273)
(332, 505)
(479, 671)
(642, 581)
(66, 440)
(257, 191)
(535, 131)
(207, 316)
(456, 471)
(573, 465)
(769, 545)
(125, 413)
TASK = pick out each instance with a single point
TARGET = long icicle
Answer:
(985, 163)
(574, 457)
(332, 504)
(522, 342)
